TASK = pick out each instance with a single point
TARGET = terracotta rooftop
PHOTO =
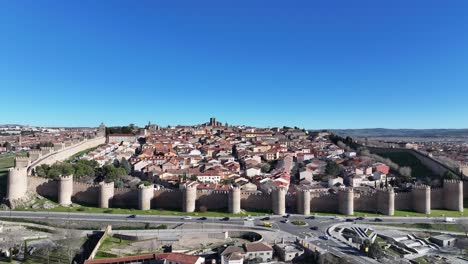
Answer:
(259, 246)
(176, 257)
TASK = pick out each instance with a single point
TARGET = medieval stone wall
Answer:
(403, 201)
(323, 202)
(212, 200)
(365, 202)
(167, 199)
(252, 201)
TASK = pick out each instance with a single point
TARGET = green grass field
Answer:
(425, 226)
(88, 209)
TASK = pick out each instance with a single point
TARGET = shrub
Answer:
(203, 209)
(299, 223)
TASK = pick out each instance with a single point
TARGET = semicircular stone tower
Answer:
(145, 195)
(279, 200)
(65, 191)
(453, 195)
(234, 200)
(386, 201)
(189, 198)
(303, 202)
(106, 193)
(17, 183)
(421, 199)
(346, 201)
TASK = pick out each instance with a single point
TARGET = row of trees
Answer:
(88, 168)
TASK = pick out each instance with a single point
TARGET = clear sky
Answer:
(312, 64)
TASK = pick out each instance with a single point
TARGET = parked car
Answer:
(187, 218)
(360, 218)
(349, 220)
(131, 216)
(224, 219)
(202, 218)
(249, 218)
(325, 237)
(266, 218)
(287, 216)
(378, 220)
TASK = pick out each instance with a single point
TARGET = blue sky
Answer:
(312, 64)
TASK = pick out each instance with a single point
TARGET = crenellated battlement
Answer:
(66, 177)
(211, 192)
(449, 181)
(346, 190)
(104, 184)
(142, 186)
(421, 187)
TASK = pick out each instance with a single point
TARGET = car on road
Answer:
(314, 228)
(202, 218)
(378, 220)
(187, 217)
(285, 221)
(349, 220)
(131, 216)
(249, 218)
(287, 216)
(267, 224)
(310, 217)
(325, 237)
(360, 218)
(266, 218)
(224, 219)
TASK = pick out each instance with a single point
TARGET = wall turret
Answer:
(421, 199)
(17, 183)
(58, 146)
(453, 195)
(46, 150)
(234, 200)
(189, 197)
(463, 167)
(34, 154)
(346, 201)
(21, 162)
(279, 200)
(106, 193)
(145, 195)
(386, 201)
(65, 191)
(303, 202)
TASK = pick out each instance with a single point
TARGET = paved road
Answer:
(315, 237)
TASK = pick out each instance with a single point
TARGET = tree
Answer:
(67, 169)
(7, 145)
(332, 168)
(405, 171)
(448, 175)
(266, 168)
(125, 165)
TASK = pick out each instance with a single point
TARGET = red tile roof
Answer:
(176, 257)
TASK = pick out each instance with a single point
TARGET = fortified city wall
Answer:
(189, 199)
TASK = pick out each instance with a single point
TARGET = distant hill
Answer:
(402, 133)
